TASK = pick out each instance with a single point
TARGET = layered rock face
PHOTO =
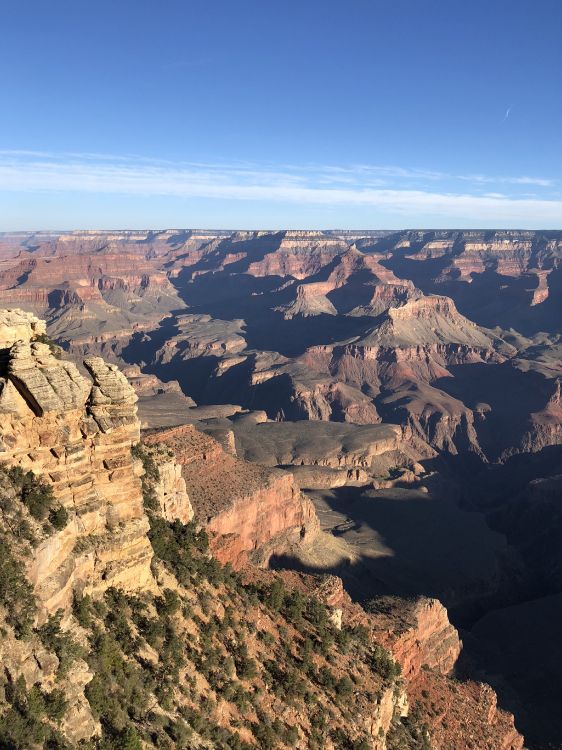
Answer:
(91, 287)
(411, 347)
(462, 715)
(76, 433)
(326, 453)
(169, 486)
(201, 336)
(251, 511)
(425, 638)
(16, 325)
(497, 277)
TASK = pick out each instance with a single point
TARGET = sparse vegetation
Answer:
(42, 338)
(16, 593)
(36, 497)
(208, 658)
(62, 644)
(409, 733)
(31, 717)
(151, 475)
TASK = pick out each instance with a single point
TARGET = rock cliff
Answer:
(418, 633)
(75, 432)
(141, 636)
(251, 511)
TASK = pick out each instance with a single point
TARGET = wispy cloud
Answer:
(398, 190)
(524, 180)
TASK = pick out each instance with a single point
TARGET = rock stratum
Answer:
(252, 511)
(77, 432)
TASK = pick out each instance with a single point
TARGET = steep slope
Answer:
(397, 361)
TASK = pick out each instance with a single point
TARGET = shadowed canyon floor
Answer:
(406, 542)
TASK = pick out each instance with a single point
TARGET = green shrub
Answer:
(169, 603)
(409, 733)
(25, 724)
(344, 688)
(58, 517)
(120, 689)
(37, 496)
(63, 644)
(266, 736)
(383, 664)
(317, 613)
(294, 606)
(16, 593)
(183, 548)
(246, 667)
(275, 596)
(266, 637)
(82, 609)
(150, 476)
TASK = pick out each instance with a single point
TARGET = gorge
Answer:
(370, 419)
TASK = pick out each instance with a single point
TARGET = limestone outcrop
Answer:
(169, 486)
(76, 434)
(17, 325)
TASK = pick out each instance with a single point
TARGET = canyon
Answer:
(78, 436)
(380, 407)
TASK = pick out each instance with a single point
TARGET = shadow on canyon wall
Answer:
(471, 543)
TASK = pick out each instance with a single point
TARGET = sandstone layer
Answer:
(76, 433)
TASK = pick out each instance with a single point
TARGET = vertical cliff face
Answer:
(250, 511)
(76, 434)
(167, 483)
(418, 633)
(463, 715)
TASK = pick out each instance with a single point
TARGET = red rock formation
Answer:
(418, 633)
(463, 715)
(252, 512)
(298, 254)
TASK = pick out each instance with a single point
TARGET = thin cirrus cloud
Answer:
(392, 189)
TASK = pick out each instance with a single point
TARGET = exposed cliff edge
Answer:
(460, 715)
(251, 511)
(77, 432)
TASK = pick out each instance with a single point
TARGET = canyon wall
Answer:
(250, 511)
(76, 433)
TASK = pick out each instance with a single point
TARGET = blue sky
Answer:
(260, 114)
